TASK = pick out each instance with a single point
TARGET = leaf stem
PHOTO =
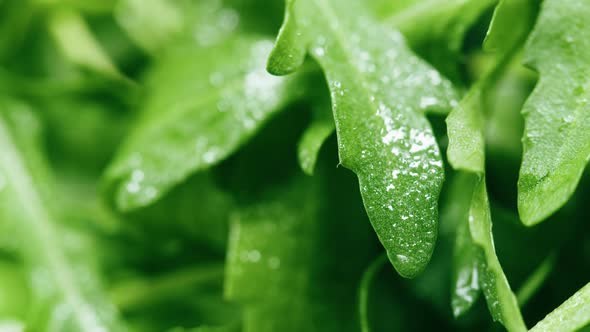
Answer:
(140, 291)
(364, 288)
(535, 280)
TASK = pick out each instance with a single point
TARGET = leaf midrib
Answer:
(40, 220)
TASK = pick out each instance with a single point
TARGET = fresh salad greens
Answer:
(297, 165)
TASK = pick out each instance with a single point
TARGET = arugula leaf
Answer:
(475, 243)
(437, 34)
(157, 24)
(272, 243)
(571, 315)
(65, 293)
(556, 141)
(76, 41)
(501, 300)
(321, 127)
(465, 287)
(177, 209)
(511, 22)
(378, 89)
(180, 133)
(281, 242)
(154, 24)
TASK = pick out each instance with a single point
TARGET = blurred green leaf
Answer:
(180, 132)
(66, 295)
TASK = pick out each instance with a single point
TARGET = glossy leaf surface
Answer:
(379, 89)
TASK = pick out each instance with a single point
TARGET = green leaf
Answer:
(379, 90)
(78, 44)
(152, 25)
(466, 288)
(16, 17)
(321, 127)
(501, 300)
(475, 256)
(475, 245)
(65, 290)
(201, 105)
(571, 315)
(158, 24)
(174, 218)
(466, 139)
(556, 141)
(511, 22)
(439, 34)
(286, 270)
(450, 22)
(271, 243)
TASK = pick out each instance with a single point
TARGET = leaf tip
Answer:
(405, 266)
(289, 51)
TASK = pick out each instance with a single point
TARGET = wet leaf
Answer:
(202, 104)
(476, 264)
(556, 140)
(379, 90)
(571, 315)
(321, 127)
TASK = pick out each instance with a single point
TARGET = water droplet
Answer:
(150, 193)
(216, 79)
(402, 258)
(211, 155)
(319, 51)
(426, 102)
(254, 256)
(228, 19)
(274, 263)
(137, 175)
(133, 187)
